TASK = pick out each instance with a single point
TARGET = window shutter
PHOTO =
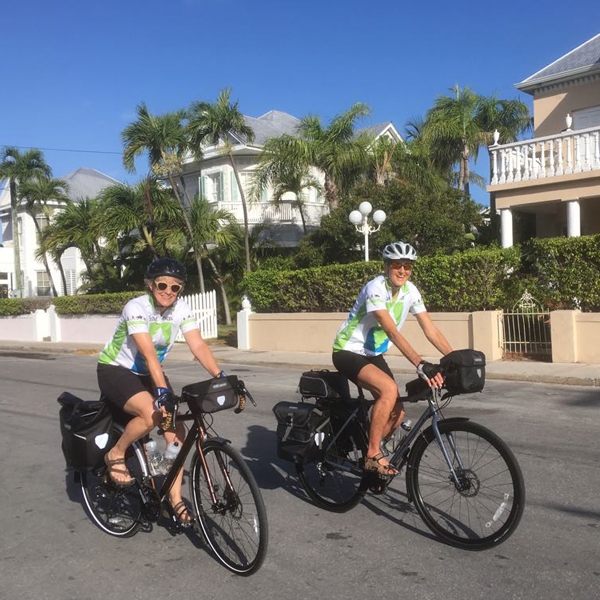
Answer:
(203, 187)
(221, 189)
(234, 188)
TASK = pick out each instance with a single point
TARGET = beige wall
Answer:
(551, 108)
(574, 334)
(314, 332)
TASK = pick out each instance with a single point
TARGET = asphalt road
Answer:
(50, 549)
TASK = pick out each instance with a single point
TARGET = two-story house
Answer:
(549, 185)
(83, 183)
(213, 179)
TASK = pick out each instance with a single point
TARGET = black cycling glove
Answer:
(427, 370)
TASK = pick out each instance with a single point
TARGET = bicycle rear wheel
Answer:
(484, 508)
(332, 475)
(235, 523)
(115, 510)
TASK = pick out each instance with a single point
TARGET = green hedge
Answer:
(99, 304)
(558, 272)
(12, 307)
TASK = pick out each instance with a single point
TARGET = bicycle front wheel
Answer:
(481, 505)
(115, 510)
(230, 507)
(332, 476)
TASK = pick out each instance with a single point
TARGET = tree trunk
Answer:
(14, 203)
(331, 193)
(302, 217)
(44, 258)
(244, 211)
(190, 232)
(221, 287)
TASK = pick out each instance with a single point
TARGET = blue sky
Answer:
(73, 72)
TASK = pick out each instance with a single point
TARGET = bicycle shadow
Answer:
(395, 506)
(270, 472)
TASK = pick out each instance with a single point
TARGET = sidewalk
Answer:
(524, 370)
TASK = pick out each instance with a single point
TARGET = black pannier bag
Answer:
(86, 429)
(297, 425)
(212, 395)
(324, 384)
(464, 371)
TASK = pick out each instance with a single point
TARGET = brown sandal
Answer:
(110, 464)
(374, 465)
(181, 514)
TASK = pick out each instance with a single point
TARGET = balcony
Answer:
(282, 213)
(542, 159)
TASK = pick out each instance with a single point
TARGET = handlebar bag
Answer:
(324, 384)
(464, 371)
(212, 395)
(297, 425)
(86, 429)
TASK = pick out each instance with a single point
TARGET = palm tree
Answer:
(18, 168)
(335, 150)
(284, 182)
(79, 224)
(35, 195)
(164, 139)
(126, 209)
(222, 122)
(459, 125)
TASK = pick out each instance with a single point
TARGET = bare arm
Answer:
(147, 350)
(433, 334)
(388, 325)
(201, 351)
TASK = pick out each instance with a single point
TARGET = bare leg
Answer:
(145, 418)
(175, 492)
(385, 390)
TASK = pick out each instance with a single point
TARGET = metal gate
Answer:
(525, 332)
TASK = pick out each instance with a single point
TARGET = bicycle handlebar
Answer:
(243, 393)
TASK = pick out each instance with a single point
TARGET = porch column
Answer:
(506, 228)
(573, 219)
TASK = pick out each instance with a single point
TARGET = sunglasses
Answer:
(407, 266)
(162, 286)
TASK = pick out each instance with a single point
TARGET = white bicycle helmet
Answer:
(399, 251)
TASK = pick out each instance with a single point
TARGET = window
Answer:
(43, 283)
(588, 117)
(211, 187)
(42, 221)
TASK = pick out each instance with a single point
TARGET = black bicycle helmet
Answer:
(166, 266)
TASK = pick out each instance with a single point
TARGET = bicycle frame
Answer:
(400, 455)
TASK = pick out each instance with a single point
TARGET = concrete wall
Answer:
(314, 332)
(574, 334)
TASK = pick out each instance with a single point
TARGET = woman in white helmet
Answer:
(375, 320)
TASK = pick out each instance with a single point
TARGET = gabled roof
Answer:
(87, 183)
(583, 60)
(376, 131)
(272, 124)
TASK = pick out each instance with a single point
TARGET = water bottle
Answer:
(154, 457)
(169, 456)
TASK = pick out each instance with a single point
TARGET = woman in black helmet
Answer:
(130, 374)
(373, 323)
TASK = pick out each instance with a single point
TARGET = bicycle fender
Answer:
(219, 440)
(428, 435)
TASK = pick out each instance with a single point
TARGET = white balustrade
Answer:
(285, 212)
(551, 156)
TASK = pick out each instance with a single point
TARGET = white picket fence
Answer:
(204, 307)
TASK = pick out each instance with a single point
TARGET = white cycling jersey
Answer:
(361, 333)
(141, 316)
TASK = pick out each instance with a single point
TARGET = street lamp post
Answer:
(360, 219)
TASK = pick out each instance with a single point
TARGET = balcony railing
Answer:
(544, 157)
(282, 213)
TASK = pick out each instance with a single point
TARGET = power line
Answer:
(61, 149)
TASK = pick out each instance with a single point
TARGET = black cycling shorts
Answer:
(350, 364)
(118, 384)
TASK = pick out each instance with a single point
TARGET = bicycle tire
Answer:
(235, 527)
(115, 510)
(488, 507)
(332, 476)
